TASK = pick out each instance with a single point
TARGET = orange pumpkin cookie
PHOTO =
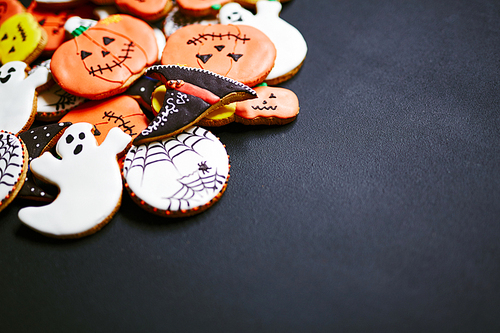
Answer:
(119, 111)
(242, 53)
(273, 106)
(149, 10)
(105, 59)
(209, 7)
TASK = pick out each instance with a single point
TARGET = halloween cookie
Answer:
(9, 8)
(89, 180)
(149, 10)
(55, 102)
(142, 91)
(37, 141)
(119, 111)
(191, 94)
(60, 4)
(291, 47)
(105, 59)
(18, 95)
(178, 176)
(21, 39)
(209, 7)
(13, 167)
(242, 53)
(176, 20)
(273, 106)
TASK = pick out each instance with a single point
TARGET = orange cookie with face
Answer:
(210, 7)
(105, 59)
(9, 8)
(239, 52)
(149, 10)
(273, 106)
(119, 111)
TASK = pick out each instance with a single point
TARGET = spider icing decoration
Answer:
(106, 58)
(89, 180)
(242, 53)
(37, 141)
(119, 111)
(178, 176)
(291, 47)
(18, 95)
(13, 167)
(273, 106)
(191, 94)
(21, 39)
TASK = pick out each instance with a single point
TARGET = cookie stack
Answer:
(110, 94)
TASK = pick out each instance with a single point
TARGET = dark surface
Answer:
(378, 209)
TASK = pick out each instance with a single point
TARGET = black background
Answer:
(376, 210)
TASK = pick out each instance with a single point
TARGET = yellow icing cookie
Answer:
(21, 39)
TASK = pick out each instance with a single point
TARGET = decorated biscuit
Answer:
(119, 111)
(142, 90)
(60, 4)
(291, 47)
(177, 19)
(55, 102)
(13, 167)
(18, 95)
(21, 39)
(149, 10)
(209, 7)
(89, 180)
(191, 94)
(178, 176)
(37, 141)
(9, 8)
(242, 53)
(105, 59)
(273, 106)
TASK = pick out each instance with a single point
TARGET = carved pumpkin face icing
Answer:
(273, 106)
(242, 53)
(105, 59)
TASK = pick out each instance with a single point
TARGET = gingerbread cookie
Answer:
(178, 176)
(291, 47)
(18, 95)
(89, 180)
(37, 141)
(192, 94)
(9, 8)
(119, 111)
(149, 10)
(105, 59)
(13, 167)
(242, 53)
(273, 106)
(21, 39)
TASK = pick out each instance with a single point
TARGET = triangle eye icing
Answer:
(107, 40)
(85, 54)
(272, 96)
(220, 47)
(104, 53)
(235, 57)
(204, 57)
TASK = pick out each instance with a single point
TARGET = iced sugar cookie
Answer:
(18, 95)
(191, 94)
(242, 53)
(273, 106)
(89, 180)
(55, 102)
(37, 141)
(21, 39)
(178, 176)
(142, 90)
(149, 10)
(291, 47)
(177, 19)
(105, 59)
(9, 8)
(13, 167)
(119, 111)
(209, 7)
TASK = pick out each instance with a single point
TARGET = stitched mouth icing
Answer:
(130, 48)
(260, 108)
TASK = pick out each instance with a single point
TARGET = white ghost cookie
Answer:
(89, 180)
(18, 95)
(291, 47)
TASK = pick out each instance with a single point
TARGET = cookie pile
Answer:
(110, 94)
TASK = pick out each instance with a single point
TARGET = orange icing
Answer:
(242, 53)
(144, 8)
(20, 36)
(284, 104)
(9, 8)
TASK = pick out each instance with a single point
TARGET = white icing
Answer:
(56, 99)
(161, 41)
(182, 172)
(171, 103)
(76, 22)
(17, 93)
(11, 163)
(291, 47)
(89, 181)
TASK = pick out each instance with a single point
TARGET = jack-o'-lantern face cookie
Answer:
(242, 53)
(273, 106)
(105, 59)
(120, 111)
(21, 39)
(9, 8)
